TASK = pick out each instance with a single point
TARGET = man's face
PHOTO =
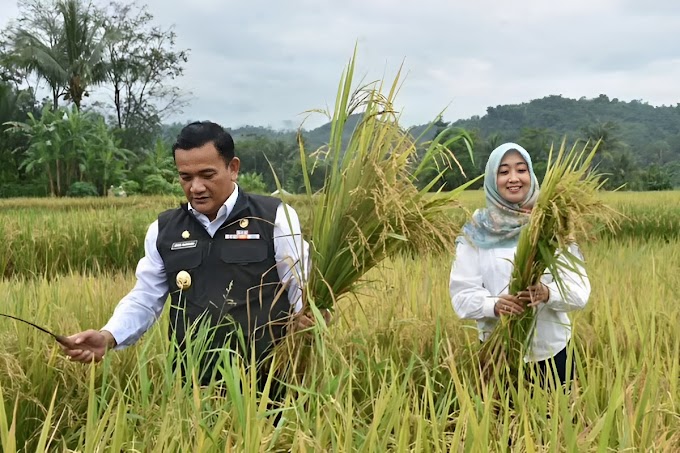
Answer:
(207, 180)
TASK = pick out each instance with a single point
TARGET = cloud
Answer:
(264, 63)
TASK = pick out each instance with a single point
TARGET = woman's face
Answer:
(513, 179)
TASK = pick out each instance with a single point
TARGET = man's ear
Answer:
(234, 166)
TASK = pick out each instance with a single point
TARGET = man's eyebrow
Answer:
(206, 170)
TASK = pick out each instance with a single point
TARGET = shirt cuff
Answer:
(488, 307)
(117, 335)
(554, 293)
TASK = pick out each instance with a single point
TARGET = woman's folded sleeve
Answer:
(469, 298)
(574, 291)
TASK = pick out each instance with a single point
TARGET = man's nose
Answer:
(197, 186)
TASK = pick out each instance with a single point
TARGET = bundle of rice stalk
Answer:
(566, 211)
(371, 205)
(377, 199)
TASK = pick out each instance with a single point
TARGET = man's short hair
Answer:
(199, 133)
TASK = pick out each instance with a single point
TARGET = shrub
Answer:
(23, 189)
(131, 187)
(156, 185)
(252, 182)
(82, 189)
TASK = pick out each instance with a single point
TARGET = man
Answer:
(228, 259)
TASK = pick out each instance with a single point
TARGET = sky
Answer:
(265, 63)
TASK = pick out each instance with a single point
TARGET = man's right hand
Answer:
(89, 345)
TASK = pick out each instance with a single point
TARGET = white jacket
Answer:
(478, 276)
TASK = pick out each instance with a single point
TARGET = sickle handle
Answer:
(66, 341)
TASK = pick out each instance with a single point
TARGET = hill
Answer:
(641, 141)
(650, 133)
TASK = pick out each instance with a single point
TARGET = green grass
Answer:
(395, 373)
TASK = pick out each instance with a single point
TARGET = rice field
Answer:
(395, 371)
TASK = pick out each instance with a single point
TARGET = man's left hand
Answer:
(306, 320)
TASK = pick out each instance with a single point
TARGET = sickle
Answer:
(60, 338)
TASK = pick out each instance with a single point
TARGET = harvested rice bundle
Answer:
(371, 205)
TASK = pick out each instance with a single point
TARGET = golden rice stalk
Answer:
(376, 200)
(371, 205)
(567, 209)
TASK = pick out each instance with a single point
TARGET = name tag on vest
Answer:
(183, 245)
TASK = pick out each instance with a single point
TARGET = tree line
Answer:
(75, 141)
(66, 143)
(640, 143)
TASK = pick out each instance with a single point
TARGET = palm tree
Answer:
(607, 133)
(613, 158)
(35, 43)
(85, 40)
(66, 49)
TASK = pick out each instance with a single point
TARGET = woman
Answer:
(484, 254)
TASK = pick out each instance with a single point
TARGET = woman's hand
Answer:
(535, 295)
(508, 305)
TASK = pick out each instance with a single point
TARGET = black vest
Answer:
(235, 285)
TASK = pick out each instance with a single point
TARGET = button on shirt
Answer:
(142, 306)
(479, 276)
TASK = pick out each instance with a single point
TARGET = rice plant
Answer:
(371, 206)
(396, 374)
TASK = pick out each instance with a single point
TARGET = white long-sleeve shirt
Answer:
(479, 276)
(141, 307)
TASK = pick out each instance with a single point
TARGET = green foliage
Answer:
(65, 45)
(141, 61)
(157, 160)
(252, 182)
(267, 157)
(157, 185)
(75, 47)
(459, 165)
(131, 187)
(82, 189)
(634, 134)
(33, 188)
(68, 146)
(15, 105)
(656, 178)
